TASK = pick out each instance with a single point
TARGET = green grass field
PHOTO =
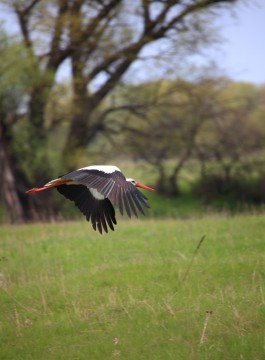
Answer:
(69, 293)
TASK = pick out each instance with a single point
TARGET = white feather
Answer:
(97, 195)
(107, 169)
(52, 181)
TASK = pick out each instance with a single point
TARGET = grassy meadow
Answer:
(142, 292)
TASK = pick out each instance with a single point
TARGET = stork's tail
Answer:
(49, 185)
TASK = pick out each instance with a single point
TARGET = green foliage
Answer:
(69, 293)
(212, 121)
(18, 72)
(18, 77)
(15, 74)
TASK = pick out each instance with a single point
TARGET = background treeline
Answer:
(201, 134)
(205, 137)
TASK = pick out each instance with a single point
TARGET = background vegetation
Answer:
(199, 136)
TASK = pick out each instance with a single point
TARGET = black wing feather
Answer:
(127, 203)
(103, 221)
(96, 211)
(130, 199)
(120, 202)
(137, 203)
(110, 216)
(141, 197)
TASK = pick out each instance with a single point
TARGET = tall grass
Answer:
(69, 293)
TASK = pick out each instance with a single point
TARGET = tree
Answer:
(231, 144)
(102, 43)
(102, 39)
(162, 129)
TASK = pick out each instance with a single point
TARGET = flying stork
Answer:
(95, 189)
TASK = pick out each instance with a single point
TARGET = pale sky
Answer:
(242, 54)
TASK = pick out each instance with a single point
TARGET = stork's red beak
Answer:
(144, 187)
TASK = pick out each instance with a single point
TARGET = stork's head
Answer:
(137, 184)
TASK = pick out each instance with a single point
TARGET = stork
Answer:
(95, 189)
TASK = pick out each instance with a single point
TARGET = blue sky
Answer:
(242, 54)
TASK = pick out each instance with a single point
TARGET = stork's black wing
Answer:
(128, 197)
(100, 212)
(113, 186)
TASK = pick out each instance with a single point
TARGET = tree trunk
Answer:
(13, 182)
(10, 196)
(173, 188)
(80, 132)
(166, 185)
(161, 181)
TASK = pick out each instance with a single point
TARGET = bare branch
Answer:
(146, 14)
(103, 14)
(56, 56)
(188, 10)
(28, 9)
(129, 53)
(23, 18)
(23, 23)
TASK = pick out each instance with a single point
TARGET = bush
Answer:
(233, 191)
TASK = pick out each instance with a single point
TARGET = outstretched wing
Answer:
(111, 185)
(100, 212)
